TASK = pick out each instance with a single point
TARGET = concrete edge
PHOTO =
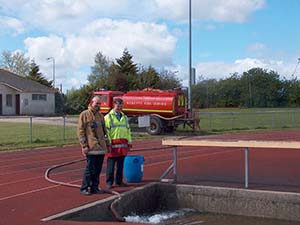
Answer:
(77, 209)
(89, 205)
(234, 201)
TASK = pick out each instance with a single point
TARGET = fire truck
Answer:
(165, 110)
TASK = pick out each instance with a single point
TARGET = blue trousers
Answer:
(92, 172)
(110, 170)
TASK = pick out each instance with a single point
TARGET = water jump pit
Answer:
(163, 203)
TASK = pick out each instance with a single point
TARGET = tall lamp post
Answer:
(190, 57)
(53, 69)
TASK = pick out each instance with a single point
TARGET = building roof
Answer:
(22, 84)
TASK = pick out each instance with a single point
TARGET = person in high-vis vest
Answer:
(119, 136)
(91, 133)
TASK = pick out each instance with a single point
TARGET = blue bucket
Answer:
(133, 168)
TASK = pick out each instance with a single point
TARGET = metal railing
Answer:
(28, 131)
(224, 144)
(225, 121)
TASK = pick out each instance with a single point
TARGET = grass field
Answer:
(225, 121)
(221, 120)
(18, 135)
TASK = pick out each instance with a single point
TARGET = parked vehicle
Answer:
(166, 109)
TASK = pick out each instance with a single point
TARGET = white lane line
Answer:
(29, 192)
(193, 156)
(37, 161)
(30, 163)
(39, 177)
(150, 164)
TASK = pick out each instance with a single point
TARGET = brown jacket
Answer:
(91, 131)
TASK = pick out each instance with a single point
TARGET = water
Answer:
(158, 218)
(191, 217)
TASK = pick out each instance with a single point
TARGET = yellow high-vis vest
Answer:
(119, 134)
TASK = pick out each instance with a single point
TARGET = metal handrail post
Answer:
(166, 172)
(64, 130)
(175, 164)
(30, 129)
(246, 167)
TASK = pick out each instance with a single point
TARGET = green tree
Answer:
(118, 81)
(292, 91)
(199, 94)
(125, 63)
(229, 91)
(77, 100)
(261, 88)
(212, 92)
(15, 62)
(148, 78)
(125, 67)
(36, 75)
(168, 80)
(100, 72)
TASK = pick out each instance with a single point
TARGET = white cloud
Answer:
(215, 10)
(41, 48)
(78, 29)
(221, 70)
(150, 44)
(64, 16)
(11, 24)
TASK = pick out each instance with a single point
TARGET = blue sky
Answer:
(228, 36)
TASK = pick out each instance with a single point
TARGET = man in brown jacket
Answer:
(91, 133)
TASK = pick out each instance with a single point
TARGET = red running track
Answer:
(26, 197)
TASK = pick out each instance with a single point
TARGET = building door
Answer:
(0, 104)
(17, 104)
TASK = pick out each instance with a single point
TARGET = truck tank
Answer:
(163, 103)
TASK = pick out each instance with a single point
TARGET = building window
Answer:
(9, 100)
(39, 97)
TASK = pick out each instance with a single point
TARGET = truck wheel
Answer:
(155, 126)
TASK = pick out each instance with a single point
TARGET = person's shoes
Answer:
(109, 186)
(122, 185)
(97, 191)
(85, 192)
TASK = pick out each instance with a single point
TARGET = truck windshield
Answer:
(103, 98)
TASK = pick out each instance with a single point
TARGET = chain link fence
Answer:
(226, 121)
(27, 132)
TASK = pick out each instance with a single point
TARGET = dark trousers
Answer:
(92, 172)
(110, 170)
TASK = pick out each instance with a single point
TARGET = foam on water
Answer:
(157, 218)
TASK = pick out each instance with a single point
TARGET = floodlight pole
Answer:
(190, 57)
(53, 69)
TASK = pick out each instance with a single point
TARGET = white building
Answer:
(22, 96)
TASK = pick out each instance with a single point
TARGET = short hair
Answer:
(118, 101)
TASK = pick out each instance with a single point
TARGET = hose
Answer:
(47, 177)
(166, 118)
(112, 205)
